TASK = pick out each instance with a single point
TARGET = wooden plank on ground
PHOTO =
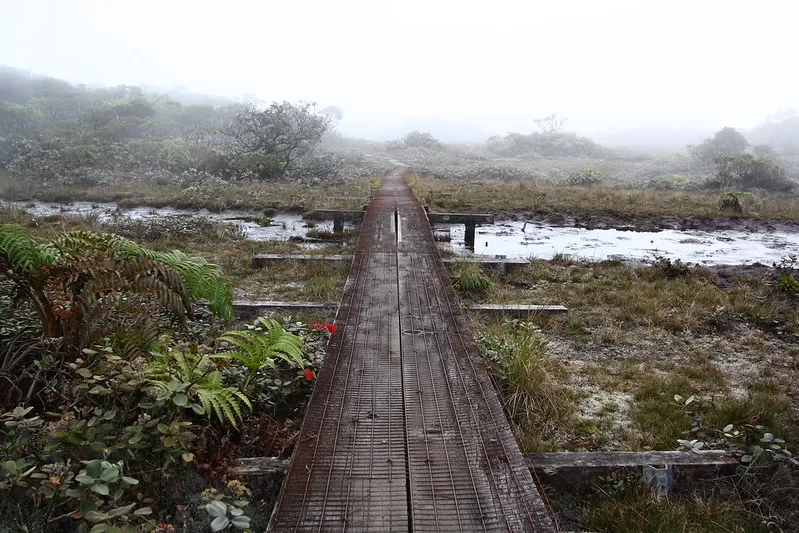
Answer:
(460, 218)
(570, 468)
(582, 468)
(519, 311)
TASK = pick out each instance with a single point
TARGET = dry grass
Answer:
(256, 195)
(448, 195)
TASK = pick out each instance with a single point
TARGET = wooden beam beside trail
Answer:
(570, 469)
(471, 220)
(261, 260)
(502, 264)
(460, 218)
(519, 311)
(246, 309)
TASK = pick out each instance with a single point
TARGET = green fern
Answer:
(17, 251)
(84, 285)
(262, 346)
(195, 376)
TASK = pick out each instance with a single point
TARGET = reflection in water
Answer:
(709, 248)
(508, 239)
(283, 225)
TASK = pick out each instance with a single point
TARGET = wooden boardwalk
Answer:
(404, 431)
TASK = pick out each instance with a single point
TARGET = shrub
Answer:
(586, 177)
(743, 171)
(85, 285)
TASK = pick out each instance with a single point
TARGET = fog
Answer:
(461, 70)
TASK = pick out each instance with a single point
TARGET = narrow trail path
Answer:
(404, 431)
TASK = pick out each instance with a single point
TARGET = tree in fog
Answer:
(746, 172)
(550, 124)
(727, 141)
(272, 140)
(335, 113)
(16, 119)
(419, 139)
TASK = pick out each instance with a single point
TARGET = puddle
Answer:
(283, 227)
(694, 246)
(507, 238)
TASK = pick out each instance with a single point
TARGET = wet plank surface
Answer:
(404, 431)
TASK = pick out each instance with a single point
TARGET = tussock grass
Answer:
(450, 195)
(640, 510)
(470, 281)
(529, 380)
(611, 296)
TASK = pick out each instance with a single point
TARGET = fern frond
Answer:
(18, 251)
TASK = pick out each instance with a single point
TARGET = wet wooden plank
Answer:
(502, 264)
(571, 469)
(520, 311)
(460, 218)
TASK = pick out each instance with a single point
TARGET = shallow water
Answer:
(283, 227)
(507, 238)
(703, 247)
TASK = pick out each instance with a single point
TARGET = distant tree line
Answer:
(51, 129)
(735, 168)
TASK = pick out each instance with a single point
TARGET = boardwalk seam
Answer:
(402, 380)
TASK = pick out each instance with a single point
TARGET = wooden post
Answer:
(470, 226)
(338, 225)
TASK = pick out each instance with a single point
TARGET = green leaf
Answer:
(110, 474)
(198, 409)
(99, 528)
(83, 479)
(100, 489)
(95, 516)
(180, 399)
(216, 508)
(129, 480)
(94, 468)
(84, 372)
(241, 522)
(121, 511)
(10, 467)
(144, 511)
(219, 523)
(187, 456)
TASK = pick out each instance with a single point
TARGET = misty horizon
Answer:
(615, 67)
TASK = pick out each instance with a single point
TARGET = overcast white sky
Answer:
(604, 64)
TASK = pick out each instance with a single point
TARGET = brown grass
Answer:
(448, 195)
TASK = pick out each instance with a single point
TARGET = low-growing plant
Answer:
(526, 375)
(226, 509)
(261, 346)
(190, 380)
(786, 273)
(470, 281)
(671, 268)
